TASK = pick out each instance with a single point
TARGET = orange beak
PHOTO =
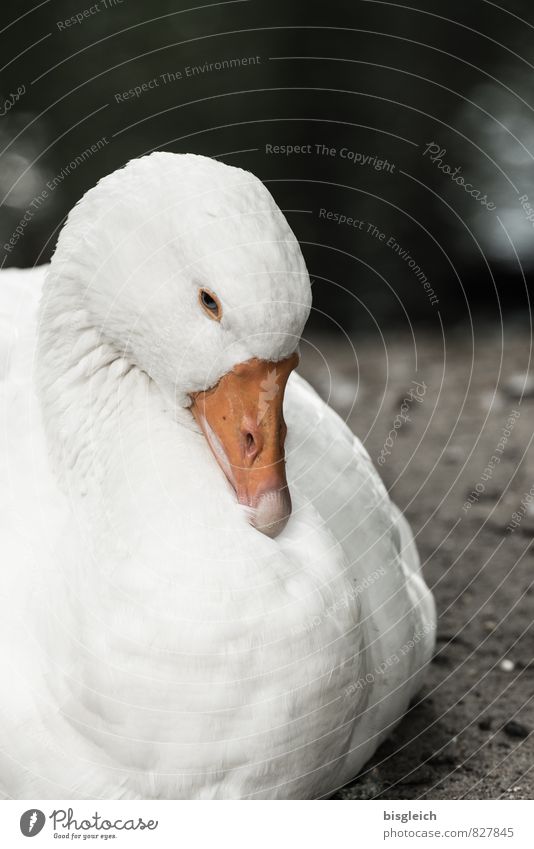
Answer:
(242, 419)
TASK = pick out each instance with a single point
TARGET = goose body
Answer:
(157, 644)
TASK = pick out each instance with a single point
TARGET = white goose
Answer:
(154, 642)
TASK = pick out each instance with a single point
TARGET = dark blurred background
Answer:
(359, 80)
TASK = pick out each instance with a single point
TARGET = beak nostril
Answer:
(242, 419)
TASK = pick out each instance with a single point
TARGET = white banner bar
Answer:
(268, 825)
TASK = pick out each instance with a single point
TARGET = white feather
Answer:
(154, 644)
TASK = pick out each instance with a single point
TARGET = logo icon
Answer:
(32, 822)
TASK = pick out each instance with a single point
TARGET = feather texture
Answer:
(155, 644)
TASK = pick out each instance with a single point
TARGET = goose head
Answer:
(188, 268)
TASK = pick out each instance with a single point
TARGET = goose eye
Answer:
(210, 304)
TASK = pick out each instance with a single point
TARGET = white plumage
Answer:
(153, 643)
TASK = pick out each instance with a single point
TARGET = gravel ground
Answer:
(468, 734)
